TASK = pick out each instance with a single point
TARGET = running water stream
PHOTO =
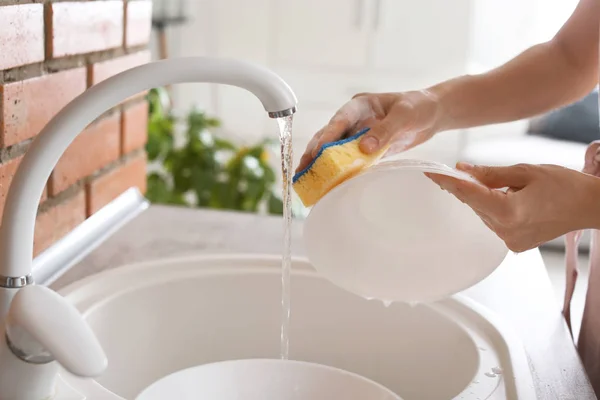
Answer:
(285, 135)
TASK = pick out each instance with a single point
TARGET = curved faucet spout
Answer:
(17, 230)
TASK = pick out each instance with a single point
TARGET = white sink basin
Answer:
(157, 318)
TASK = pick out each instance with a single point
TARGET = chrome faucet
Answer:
(41, 329)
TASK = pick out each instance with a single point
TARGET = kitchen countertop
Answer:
(519, 291)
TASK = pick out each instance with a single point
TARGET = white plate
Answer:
(265, 380)
(392, 234)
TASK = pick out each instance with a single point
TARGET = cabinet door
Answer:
(425, 37)
(241, 31)
(188, 95)
(320, 33)
(501, 30)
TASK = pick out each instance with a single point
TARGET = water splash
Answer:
(490, 374)
(285, 135)
(497, 370)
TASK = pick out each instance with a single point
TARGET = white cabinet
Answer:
(320, 33)
(330, 50)
(499, 33)
(424, 38)
(404, 36)
(180, 45)
(241, 29)
(327, 50)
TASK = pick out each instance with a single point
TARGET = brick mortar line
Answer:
(19, 2)
(92, 57)
(134, 102)
(15, 151)
(124, 159)
(55, 65)
(48, 29)
(106, 114)
(124, 35)
(19, 149)
(4, 3)
(60, 198)
(83, 182)
(2, 120)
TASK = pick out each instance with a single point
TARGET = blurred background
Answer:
(330, 50)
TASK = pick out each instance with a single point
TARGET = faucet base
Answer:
(16, 377)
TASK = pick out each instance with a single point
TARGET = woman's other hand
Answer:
(542, 202)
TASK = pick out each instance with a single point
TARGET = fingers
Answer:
(304, 162)
(485, 205)
(357, 111)
(333, 131)
(377, 137)
(481, 199)
(361, 94)
(516, 176)
(400, 119)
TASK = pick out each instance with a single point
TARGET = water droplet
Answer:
(387, 303)
(482, 349)
(413, 303)
(497, 370)
(490, 374)
(475, 382)
(368, 298)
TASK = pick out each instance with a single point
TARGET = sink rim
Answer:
(113, 283)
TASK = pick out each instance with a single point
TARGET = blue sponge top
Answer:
(325, 147)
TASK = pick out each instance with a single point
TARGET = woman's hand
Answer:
(542, 202)
(401, 119)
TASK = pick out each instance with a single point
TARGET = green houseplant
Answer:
(205, 170)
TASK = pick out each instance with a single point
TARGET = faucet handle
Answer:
(43, 326)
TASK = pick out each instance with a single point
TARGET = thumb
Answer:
(377, 137)
(381, 134)
(515, 176)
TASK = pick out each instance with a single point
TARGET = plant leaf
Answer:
(275, 205)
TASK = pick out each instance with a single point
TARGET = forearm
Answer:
(587, 214)
(530, 84)
(540, 79)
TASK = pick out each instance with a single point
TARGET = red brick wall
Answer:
(50, 52)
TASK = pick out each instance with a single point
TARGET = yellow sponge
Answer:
(335, 163)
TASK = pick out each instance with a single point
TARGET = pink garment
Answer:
(589, 336)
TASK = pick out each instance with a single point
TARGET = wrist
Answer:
(428, 113)
(591, 219)
(441, 94)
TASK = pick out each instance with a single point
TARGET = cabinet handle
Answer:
(376, 15)
(358, 18)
